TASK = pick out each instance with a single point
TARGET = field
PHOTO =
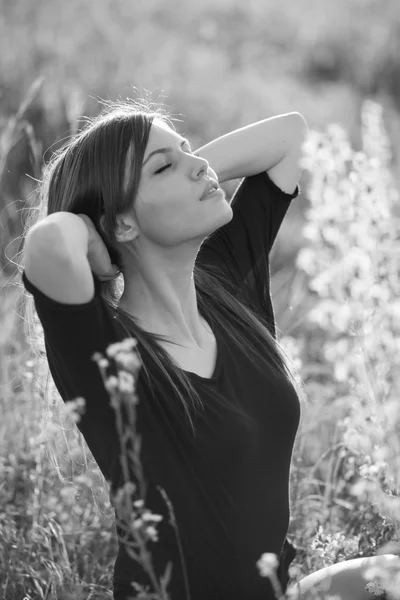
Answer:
(335, 266)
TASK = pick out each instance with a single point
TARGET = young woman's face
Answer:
(168, 208)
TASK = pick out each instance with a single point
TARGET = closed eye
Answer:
(162, 169)
(189, 151)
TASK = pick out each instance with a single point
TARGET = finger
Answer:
(111, 276)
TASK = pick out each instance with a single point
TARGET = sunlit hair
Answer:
(97, 173)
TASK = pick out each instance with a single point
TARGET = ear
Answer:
(127, 228)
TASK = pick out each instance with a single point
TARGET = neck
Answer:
(161, 295)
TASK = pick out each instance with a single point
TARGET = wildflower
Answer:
(126, 345)
(115, 402)
(68, 494)
(83, 480)
(129, 488)
(80, 403)
(148, 516)
(75, 408)
(360, 488)
(137, 523)
(268, 564)
(145, 521)
(152, 532)
(111, 384)
(97, 357)
(380, 455)
(75, 454)
(103, 363)
(128, 360)
(295, 572)
(49, 433)
(126, 382)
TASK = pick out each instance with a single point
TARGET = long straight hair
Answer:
(97, 173)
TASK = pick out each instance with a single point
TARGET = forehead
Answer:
(161, 135)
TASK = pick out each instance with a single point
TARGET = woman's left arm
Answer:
(258, 147)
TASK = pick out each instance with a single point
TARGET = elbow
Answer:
(299, 130)
(299, 120)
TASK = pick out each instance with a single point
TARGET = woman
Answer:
(218, 406)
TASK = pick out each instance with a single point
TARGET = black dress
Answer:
(229, 485)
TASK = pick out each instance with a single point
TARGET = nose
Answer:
(200, 167)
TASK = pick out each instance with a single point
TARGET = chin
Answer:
(228, 213)
(223, 217)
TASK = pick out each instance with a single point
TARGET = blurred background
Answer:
(217, 65)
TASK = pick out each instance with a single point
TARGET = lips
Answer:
(211, 185)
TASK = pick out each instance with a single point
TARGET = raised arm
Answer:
(76, 322)
(60, 253)
(272, 145)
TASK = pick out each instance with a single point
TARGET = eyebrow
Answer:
(163, 151)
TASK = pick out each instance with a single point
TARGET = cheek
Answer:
(165, 221)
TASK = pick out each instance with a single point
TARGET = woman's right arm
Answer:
(76, 321)
(60, 253)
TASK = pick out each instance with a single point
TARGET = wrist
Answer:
(89, 230)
